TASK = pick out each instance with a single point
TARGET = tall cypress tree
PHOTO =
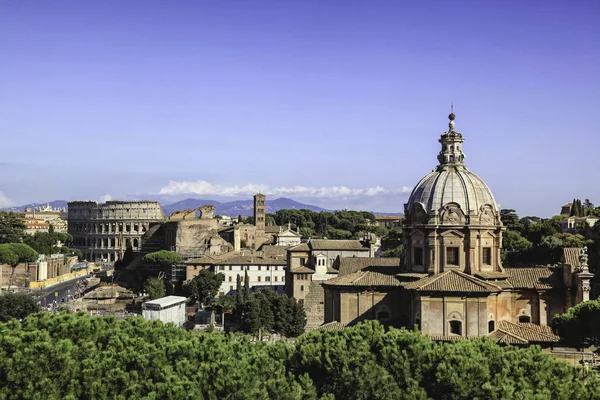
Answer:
(239, 295)
(246, 286)
(573, 208)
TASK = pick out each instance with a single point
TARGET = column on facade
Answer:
(542, 309)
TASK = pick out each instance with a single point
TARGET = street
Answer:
(48, 296)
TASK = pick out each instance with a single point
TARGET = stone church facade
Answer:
(451, 282)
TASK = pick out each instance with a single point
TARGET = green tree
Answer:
(267, 310)
(12, 228)
(128, 257)
(205, 286)
(17, 305)
(580, 325)
(509, 218)
(163, 258)
(14, 254)
(155, 287)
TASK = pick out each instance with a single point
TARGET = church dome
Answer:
(452, 194)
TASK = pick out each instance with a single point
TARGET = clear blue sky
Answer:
(334, 103)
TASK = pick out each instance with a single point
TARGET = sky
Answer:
(334, 103)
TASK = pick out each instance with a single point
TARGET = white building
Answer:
(288, 237)
(166, 309)
(263, 271)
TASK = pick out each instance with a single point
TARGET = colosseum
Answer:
(102, 231)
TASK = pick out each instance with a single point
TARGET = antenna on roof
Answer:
(452, 107)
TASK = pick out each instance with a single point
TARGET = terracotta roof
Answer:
(348, 265)
(571, 256)
(452, 281)
(523, 333)
(272, 229)
(364, 279)
(272, 251)
(300, 247)
(302, 270)
(252, 260)
(491, 275)
(333, 326)
(324, 244)
(411, 276)
(499, 336)
(534, 277)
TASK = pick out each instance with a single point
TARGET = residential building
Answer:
(389, 221)
(33, 225)
(576, 224)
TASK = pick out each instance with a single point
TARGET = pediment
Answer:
(452, 232)
(416, 231)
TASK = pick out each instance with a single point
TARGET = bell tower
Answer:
(260, 201)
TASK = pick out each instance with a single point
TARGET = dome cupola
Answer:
(451, 194)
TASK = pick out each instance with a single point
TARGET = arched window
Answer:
(491, 326)
(524, 318)
(456, 328)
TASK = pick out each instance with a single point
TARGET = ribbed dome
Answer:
(452, 184)
(451, 191)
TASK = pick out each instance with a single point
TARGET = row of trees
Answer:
(579, 209)
(12, 232)
(81, 357)
(343, 224)
(533, 240)
(264, 311)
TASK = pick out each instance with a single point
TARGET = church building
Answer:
(451, 282)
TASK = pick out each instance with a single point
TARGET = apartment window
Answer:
(487, 255)
(230, 279)
(231, 288)
(491, 326)
(259, 278)
(275, 279)
(303, 261)
(230, 267)
(452, 255)
(259, 267)
(302, 288)
(418, 255)
(267, 279)
(524, 318)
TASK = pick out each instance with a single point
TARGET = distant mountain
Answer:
(53, 204)
(231, 208)
(239, 207)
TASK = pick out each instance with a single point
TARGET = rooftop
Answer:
(348, 265)
(325, 244)
(452, 281)
(167, 301)
(523, 333)
(534, 277)
(364, 279)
